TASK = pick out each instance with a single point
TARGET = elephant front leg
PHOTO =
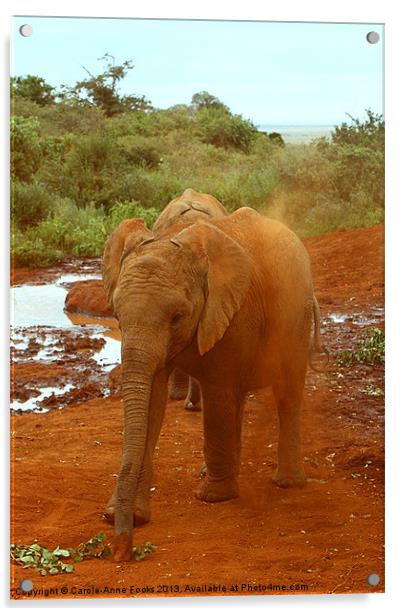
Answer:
(221, 447)
(141, 513)
(290, 471)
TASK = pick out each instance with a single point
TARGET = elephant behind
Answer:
(190, 207)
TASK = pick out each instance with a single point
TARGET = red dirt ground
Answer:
(328, 535)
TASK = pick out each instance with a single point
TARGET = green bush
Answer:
(370, 350)
(72, 231)
(90, 170)
(30, 203)
(122, 211)
(220, 128)
(333, 184)
(140, 151)
(29, 250)
(77, 173)
(26, 153)
(369, 133)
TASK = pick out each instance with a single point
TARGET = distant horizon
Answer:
(293, 125)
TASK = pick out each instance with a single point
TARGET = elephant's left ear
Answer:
(228, 278)
(123, 239)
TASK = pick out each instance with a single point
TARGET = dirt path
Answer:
(328, 536)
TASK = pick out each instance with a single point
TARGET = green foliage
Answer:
(102, 90)
(369, 133)
(140, 151)
(30, 203)
(122, 211)
(219, 127)
(276, 138)
(203, 99)
(72, 231)
(25, 148)
(29, 250)
(58, 561)
(375, 392)
(370, 350)
(79, 167)
(334, 184)
(34, 88)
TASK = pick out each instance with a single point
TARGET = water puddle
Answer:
(33, 403)
(375, 315)
(79, 348)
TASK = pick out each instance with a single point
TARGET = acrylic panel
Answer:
(210, 193)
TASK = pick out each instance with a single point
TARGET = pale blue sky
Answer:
(270, 72)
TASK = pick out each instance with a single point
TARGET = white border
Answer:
(383, 11)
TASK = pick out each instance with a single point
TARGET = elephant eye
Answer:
(176, 319)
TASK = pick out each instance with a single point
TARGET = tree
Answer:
(203, 99)
(33, 87)
(102, 90)
(369, 133)
(276, 138)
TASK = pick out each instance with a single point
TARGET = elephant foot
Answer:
(122, 548)
(140, 516)
(290, 480)
(217, 491)
(192, 406)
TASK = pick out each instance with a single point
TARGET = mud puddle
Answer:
(375, 315)
(57, 357)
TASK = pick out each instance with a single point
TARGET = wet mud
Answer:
(327, 536)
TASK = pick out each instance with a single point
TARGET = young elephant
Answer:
(186, 209)
(231, 303)
(190, 207)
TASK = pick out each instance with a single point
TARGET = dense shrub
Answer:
(369, 133)
(122, 211)
(219, 127)
(59, 119)
(77, 173)
(333, 183)
(30, 203)
(25, 148)
(73, 231)
(140, 151)
(33, 88)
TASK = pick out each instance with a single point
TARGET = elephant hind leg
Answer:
(288, 394)
(193, 400)
(178, 385)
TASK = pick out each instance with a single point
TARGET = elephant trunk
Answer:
(140, 362)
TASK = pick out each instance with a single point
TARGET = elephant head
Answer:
(188, 208)
(168, 293)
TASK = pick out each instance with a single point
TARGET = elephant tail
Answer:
(317, 346)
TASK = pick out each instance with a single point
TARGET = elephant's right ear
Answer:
(128, 234)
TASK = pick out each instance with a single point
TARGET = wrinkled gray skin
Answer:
(231, 303)
(188, 208)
